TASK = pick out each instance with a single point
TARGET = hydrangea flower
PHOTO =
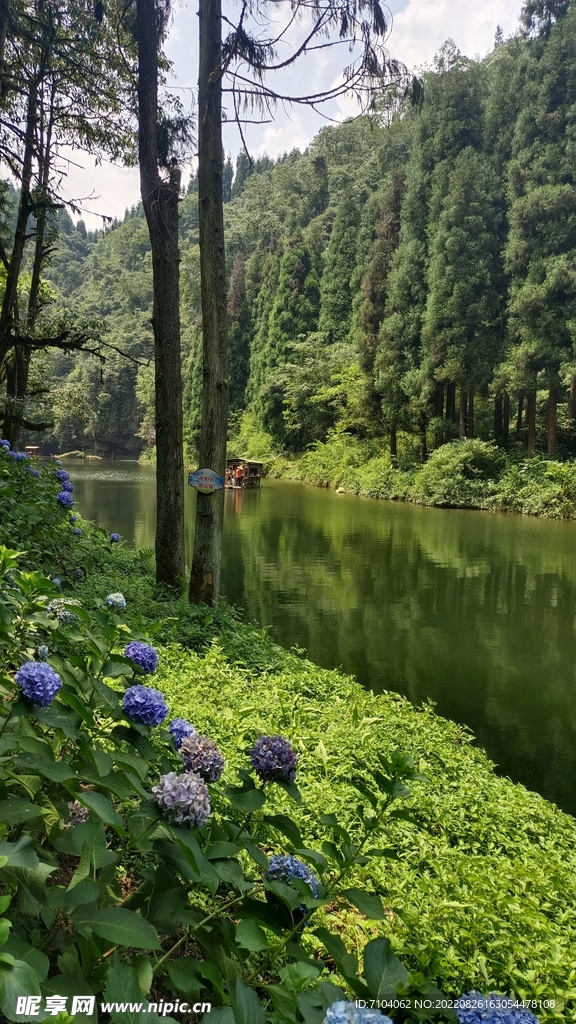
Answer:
(62, 475)
(42, 652)
(11, 454)
(32, 471)
(78, 813)
(72, 518)
(56, 581)
(145, 656)
(201, 756)
(68, 487)
(143, 704)
(184, 799)
(21, 456)
(115, 538)
(65, 499)
(77, 532)
(285, 868)
(116, 601)
(77, 574)
(474, 1008)
(38, 682)
(61, 606)
(4, 443)
(273, 759)
(179, 729)
(343, 1012)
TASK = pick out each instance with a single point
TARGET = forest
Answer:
(409, 279)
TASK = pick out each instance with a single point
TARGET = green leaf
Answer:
(20, 854)
(22, 950)
(249, 935)
(291, 789)
(102, 807)
(260, 858)
(119, 927)
(17, 981)
(15, 811)
(143, 967)
(71, 985)
(185, 975)
(122, 987)
(370, 906)
(245, 800)
(116, 667)
(383, 971)
(104, 763)
(299, 976)
(286, 826)
(56, 771)
(220, 1015)
(247, 1007)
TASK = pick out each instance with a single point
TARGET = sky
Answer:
(418, 29)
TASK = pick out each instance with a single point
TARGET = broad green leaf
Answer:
(370, 906)
(249, 935)
(117, 667)
(16, 981)
(220, 1015)
(122, 987)
(104, 763)
(291, 789)
(260, 858)
(299, 976)
(20, 854)
(286, 826)
(383, 971)
(24, 951)
(71, 985)
(143, 967)
(119, 927)
(246, 800)
(102, 807)
(185, 975)
(15, 811)
(56, 771)
(247, 1007)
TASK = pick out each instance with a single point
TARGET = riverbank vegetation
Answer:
(472, 883)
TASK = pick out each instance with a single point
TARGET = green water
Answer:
(472, 611)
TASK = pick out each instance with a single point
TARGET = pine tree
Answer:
(339, 264)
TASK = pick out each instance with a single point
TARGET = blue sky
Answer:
(419, 27)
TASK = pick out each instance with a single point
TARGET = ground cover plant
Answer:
(233, 824)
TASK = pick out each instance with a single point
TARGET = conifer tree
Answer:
(339, 265)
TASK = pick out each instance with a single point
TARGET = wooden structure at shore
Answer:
(244, 473)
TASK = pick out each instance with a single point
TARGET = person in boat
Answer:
(239, 476)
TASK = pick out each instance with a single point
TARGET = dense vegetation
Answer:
(408, 280)
(472, 883)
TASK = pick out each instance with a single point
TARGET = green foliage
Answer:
(459, 475)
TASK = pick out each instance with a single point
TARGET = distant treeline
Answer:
(411, 275)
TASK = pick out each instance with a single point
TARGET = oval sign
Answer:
(206, 481)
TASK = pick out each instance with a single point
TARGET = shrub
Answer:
(461, 474)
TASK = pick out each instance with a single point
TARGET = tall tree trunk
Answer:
(463, 410)
(423, 441)
(439, 435)
(207, 558)
(451, 407)
(160, 199)
(519, 415)
(498, 420)
(531, 421)
(393, 443)
(552, 418)
(506, 420)
(470, 420)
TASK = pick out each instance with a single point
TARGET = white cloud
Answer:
(104, 190)
(420, 29)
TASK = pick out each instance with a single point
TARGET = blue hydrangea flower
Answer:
(474, 1008)
(4, 443)
(273, 758)
(115, 538)
(67, 486)
(62, 475)
(143, 704)
(145, 656)
(343, 1012)
(72, 518)
(38, 682)
(21, 456)
(184, 799)
(11, 454)
(42, 652)
(77, 574)
(285, 867)
(32, 471)
(56, 581)
(77, 532)
(60, 607)
(201, 756)
(65, 499)
(116, 601)
(179, 729)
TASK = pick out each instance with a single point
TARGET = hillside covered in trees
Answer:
(409, 279)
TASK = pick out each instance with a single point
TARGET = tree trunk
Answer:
(470, 421)
(393, 443)
(572, 404)
(531, 421)
(506, 420)
(206, 561)
(552, 418)
(519, 415)
(160, 199)
(423, 441)
(498, 420)
(463, 409)
(451, 406)
(439, 435)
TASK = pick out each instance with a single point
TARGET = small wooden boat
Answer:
(244, 473)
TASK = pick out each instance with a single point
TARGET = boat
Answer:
(245, 473)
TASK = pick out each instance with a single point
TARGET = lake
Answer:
(473, 611)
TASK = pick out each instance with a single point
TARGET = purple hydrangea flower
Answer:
(474, 1008)
(145, 656)
(115, 538)
(32, 471)
(143, 704)
(77, 574)
(201, 756)
(343, 1012)
(21, 456)
(42, 652)
(4, 443)
(284, 868)
(65, 499)
(273, 759)
(77, 532)
(38, 682)
(184, 799)
(11, 454)
(56, 581)
(60, 607)
(116, 601)
(78, 813)
(72, 518)
(68, 487)
(179, 729)
(62, 475)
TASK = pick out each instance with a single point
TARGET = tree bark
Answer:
(423, 440)
(207, 558)
(470, 419)
(506, 421)
(552, 418)
(531, 421)
(451, 406)
(439, 435)
(463, 411)
(160, 199)
(519, 415)
(498, 420)
(393, 443)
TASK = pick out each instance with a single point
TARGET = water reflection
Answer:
(473, 611)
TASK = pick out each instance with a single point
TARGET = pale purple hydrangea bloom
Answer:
(201, 756)
(21, 456)
(344, 1012)
(77, 574)
(184, 799)
(145, 656)
(116, 601)
(179, 729)
(474, 1008)
(285, 867)
(78, 813)
(38, 682)
(143, 704)
(61, 606)
(32, 471)
(42, 652)
(274, 759)
(4, 443)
